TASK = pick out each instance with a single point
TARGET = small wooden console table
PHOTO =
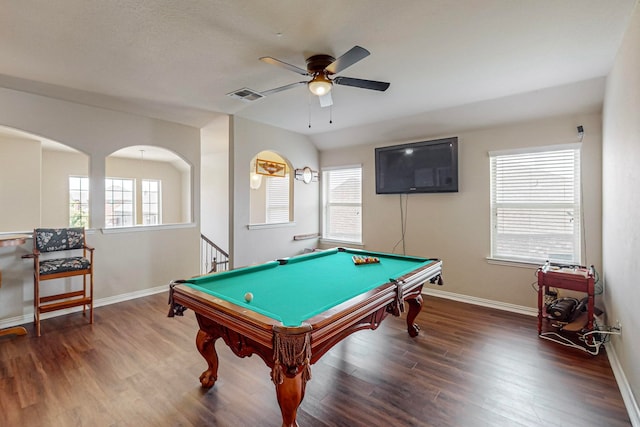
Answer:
(13, 240)
(575, 279)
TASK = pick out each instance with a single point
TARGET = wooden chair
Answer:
(48, 266)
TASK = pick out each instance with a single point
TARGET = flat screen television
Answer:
(418, 167)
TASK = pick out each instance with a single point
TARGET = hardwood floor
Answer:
(470, 366)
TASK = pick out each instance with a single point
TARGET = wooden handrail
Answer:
(218, 248)
(212, 257)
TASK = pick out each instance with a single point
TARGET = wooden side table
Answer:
(575, 279)
(12, 240)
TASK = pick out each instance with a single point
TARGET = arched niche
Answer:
(145, 186)
(270, 194)
(35, 178)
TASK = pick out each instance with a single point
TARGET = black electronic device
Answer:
(566, 309)
(418, 167)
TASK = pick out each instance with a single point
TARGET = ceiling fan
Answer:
(321, 68)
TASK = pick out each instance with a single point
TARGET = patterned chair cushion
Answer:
(60, 265)
(59, 239)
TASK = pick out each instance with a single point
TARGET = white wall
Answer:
(127, 261)
(248, 138)
(456, 226)
(19, 183)
(215, 182)
(621, 204)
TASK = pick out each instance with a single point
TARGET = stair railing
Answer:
(212, 258)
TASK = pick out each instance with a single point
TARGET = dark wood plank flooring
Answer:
(470, 366)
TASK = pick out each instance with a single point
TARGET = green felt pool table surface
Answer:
(301, 287)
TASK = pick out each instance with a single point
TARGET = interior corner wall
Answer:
(455, 227)
(251, 246)
(621, 204)
(215, 182)
(125, 262)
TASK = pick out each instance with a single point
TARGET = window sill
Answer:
(274, 225)
(513, 263)
(137, 228)
(335, 242)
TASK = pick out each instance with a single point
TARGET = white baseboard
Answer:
(629, 399)
(28, 317)
(529, 311)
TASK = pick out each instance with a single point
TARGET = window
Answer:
(78, 201)
(270, 194)
(173, 175)
(342, 204)
(535, 205)
(151, 202)
(119, 206)
(277, 199)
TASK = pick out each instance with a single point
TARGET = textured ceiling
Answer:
(177, 59)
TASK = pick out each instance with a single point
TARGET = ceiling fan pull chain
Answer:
(330, 114)
(309, 106)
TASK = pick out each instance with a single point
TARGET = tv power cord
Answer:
(600, 335)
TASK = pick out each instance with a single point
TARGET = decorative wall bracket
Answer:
(306, 175)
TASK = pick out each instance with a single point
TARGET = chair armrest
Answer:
(89, 248)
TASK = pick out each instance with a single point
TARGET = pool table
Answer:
(300, 308)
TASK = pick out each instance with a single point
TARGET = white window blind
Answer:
(277, 199)
(342, 194)
(535, 205)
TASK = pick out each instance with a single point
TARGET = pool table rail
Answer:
(333, 326)
(364, 311)
(242, 320)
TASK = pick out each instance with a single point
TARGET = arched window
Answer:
(270, 180)
(146, 185)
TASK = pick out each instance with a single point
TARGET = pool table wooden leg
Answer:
(206, 347)
(290, 394)
(415, 305)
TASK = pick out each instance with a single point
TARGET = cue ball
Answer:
(248, 297)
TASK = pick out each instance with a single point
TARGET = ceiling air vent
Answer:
(245, 94)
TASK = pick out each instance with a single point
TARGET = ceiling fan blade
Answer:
(364, 84)
(352, 56)
(273, 61)
(281, 88)
(326, 100)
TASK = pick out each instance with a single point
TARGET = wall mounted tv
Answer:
(418, 167)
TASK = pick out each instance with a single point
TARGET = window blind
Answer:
(277, 199)
(343, 204)
(535, 206)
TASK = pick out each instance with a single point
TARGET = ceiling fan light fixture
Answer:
(320, 85)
